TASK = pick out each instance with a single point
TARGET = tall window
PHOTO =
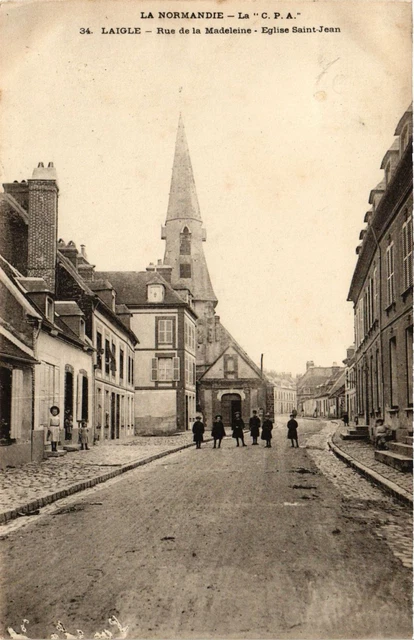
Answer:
(99, 350)
(407, 242)
(107, 357)
(393, 374)
(165, 331)
(121, 364)
(389, 259)
(185, 242)
(375, 303)
(409, 364)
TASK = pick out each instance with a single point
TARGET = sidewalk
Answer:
(28, 488)
(359, 454)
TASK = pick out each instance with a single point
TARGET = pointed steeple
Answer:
(183, 201)
(183, 230)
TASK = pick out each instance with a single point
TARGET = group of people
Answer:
(218, 432)
(54, 429)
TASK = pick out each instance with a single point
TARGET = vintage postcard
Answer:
(206, 328)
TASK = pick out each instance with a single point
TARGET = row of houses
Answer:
(381, 293)
(127, 352)
(376, 381)
(321, 391)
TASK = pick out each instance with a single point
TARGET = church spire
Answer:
(183, 201)
(183, 230)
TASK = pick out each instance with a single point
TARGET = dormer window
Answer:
(155, 292)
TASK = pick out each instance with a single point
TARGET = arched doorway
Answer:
(230, 404)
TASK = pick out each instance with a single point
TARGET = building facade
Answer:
(313, 388)
(381, 292)
(285, 399)
(165, 365)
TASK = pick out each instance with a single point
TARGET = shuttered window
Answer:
(165, 369)
(165, 331)
(389, 261)
(407, 247)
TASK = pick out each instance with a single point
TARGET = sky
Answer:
(286, 135)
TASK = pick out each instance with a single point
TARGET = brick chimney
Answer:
(164, 270)
(309, 364)
(42, 229)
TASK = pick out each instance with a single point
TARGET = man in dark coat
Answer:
(292, 433)
(198, 430)
(217, 431)
(237, 428)
(254, 425)
(267, 428)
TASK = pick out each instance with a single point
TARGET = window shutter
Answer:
(17, 404)
(154, 370)
(176, 369)
(79, 398)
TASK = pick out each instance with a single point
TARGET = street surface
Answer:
(226, 543)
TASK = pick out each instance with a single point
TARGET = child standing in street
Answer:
(84, 435)
(254, 425)
(217, 431)
(198, 430)
(267, 428)
(54, 427)
(292, 433)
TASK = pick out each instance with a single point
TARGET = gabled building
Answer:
(108, 326)
(62, 370)
(226, 375)
(381, 293)
(284, 392)
(312, 385)
(165, 364)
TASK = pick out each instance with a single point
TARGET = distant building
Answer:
(284, 392)
(381, 292)
(315, 384)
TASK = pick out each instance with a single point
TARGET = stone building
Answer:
(381, 293)
(227, 379)
(165, 366)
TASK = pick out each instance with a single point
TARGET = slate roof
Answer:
(131, 288)
(183, 201)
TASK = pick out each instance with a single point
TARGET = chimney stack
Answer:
(42, 228)
(309, 364)
(165, 270)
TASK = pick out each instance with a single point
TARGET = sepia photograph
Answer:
(206, 242)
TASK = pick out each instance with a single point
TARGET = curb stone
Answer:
(38, 503)
(387, 485)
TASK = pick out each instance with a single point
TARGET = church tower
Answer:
(184, 234)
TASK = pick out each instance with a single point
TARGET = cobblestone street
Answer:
(23, 484)
(312, 547)
(363, 502)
